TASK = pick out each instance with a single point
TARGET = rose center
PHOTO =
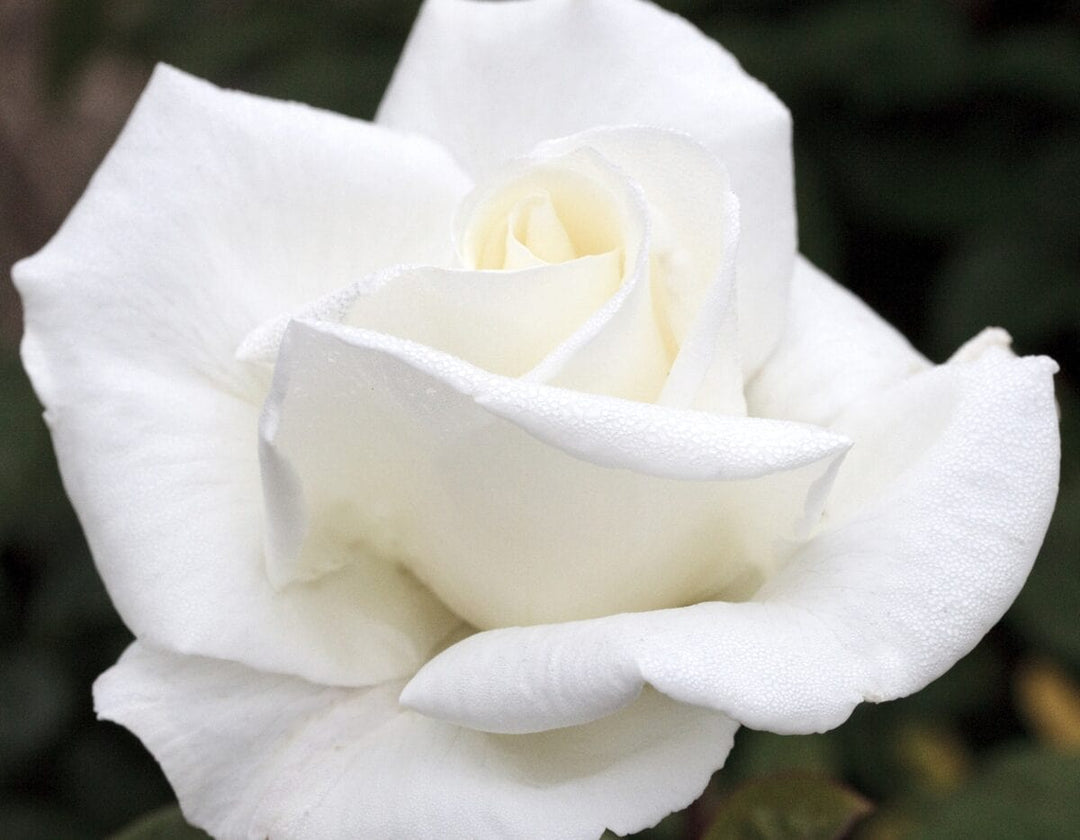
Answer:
(549, 215)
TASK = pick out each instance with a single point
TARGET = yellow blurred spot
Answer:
(1049, 702)
(887, 825)
(935, 757)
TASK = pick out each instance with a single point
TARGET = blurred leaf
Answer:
(350, 82)
(888, 823)
(972, 685)
(215, 41)
(890, 748)
(672, 827)
(1025, 794)
(378, 16)
(788, 807)
(77, 29)
(69, 597)
(24, 819)
(10, 604)
(759, 754)
(933, 756)
(874, 54)
(37, 700)
(165, 824)
(1049, 702)
(37, 524)
(133, 785)
(821, 234)
(24, 448)
(982, 165)
(1046, 610)
(928, 177)
(893, 751)
(1039, 63)
(218, 41)
(910, 55)
(1015, 283)
(340, 59)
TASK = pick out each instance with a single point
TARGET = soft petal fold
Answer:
(550, 69)
(693, 243)
(503, 321)
(884, 599)
(835, 350)
(588, 323)
(620, 350)
(254, 755)
(214, 211)
(518, 502)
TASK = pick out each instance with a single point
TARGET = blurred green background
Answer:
(938, 170)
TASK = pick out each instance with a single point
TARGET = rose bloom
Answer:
(476, 472)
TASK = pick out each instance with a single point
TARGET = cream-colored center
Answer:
(551, 215)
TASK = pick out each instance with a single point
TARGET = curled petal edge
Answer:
(872, 609)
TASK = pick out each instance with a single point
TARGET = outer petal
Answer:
(214, 211)
(835, 350)
(519, 502)
(871, 609)
(548, 69)
(252, 755)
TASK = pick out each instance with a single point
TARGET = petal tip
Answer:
(412, 696)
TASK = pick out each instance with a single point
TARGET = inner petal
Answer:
(549, 250)
(692, 243)
(503, 321)
(535, 234)
(555, 210)
(554, 284)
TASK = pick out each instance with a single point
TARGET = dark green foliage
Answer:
(1023, 794)
(787, 807)
(165, 824)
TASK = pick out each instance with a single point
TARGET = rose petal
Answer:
(214, 211)
(871, 609)
(834, 351)
(620, 350)
(505, 322)
(693, 242)
(254, 755)
(518, 502)
(574, 324)
(588, 324)
(606, 62)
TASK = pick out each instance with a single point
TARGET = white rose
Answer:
(516, 405)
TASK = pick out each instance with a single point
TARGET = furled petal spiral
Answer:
(641, 305)
(472, 73)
